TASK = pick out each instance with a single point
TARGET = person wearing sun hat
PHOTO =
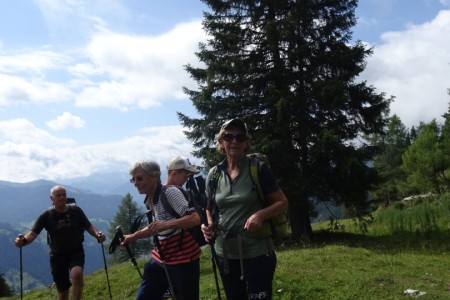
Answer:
(179, 169)
(246, 259)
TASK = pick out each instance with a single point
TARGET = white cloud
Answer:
(21, 90)
(77, 19)
(121, 71)
(23, 132)
(30, 153)
(64, 121)
(139, 70)
(32, 62)
(113, 70)
(24, 78)
(413, 65)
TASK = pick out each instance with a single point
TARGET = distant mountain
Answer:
(111, 183)
(102, 182)
(21, 203)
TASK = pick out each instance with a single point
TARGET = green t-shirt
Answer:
(237, 200)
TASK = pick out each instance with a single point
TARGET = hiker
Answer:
(246, 261)
(179, 169)
(65, 225)
(174, 262)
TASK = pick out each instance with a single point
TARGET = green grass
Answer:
(347, 264)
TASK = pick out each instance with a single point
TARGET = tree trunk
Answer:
(299, 219)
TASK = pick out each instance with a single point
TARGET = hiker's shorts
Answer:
(184, 277)
(61, 264)
(258, 277)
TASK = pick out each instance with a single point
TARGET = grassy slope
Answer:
(341, 265)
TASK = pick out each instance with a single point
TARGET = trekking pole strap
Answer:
(239, 236)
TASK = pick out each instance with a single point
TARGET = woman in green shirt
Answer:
(246, 259)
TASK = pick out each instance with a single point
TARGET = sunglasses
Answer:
(136, 179)
(228, 137)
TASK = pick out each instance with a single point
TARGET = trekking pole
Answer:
(204, 220)
(21, 274)
(106, 270)
(127, 247)
(214, 267)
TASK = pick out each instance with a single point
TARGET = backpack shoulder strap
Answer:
(138, 220)
(214, 180)
(212, 185)
(165, 201)
(255, 167)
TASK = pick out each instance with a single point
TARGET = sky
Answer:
(91, 86)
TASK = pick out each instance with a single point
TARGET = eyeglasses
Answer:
(228, 137)
(136, 179)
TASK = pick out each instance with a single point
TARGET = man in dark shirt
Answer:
(65, 225)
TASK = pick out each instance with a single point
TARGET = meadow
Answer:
(406, 247)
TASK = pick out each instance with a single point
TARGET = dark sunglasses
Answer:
(228, 137)
(136, 179)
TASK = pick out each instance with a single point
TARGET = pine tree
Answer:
(5, 289)
(388, 162)
(288, 69)
(128, 211)
(425, 161)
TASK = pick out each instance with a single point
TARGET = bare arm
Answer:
(100, 236)
(155, 227)
(187, 221)
(279, 204)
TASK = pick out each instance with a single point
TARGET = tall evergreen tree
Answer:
(388, 162)
(288, 69)
(425, 161)
(445, 144)
(128, 211)
(446, 126)
(5, 289)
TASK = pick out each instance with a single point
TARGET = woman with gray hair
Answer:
(175, 260)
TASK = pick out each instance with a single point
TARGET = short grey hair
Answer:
(148, 166)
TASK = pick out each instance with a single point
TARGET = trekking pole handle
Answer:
(100, 237)
(22, 237)
(127, 247)
(211, 237)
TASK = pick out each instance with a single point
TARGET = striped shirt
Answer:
(177, 246)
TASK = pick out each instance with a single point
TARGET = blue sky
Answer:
(91, 86)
